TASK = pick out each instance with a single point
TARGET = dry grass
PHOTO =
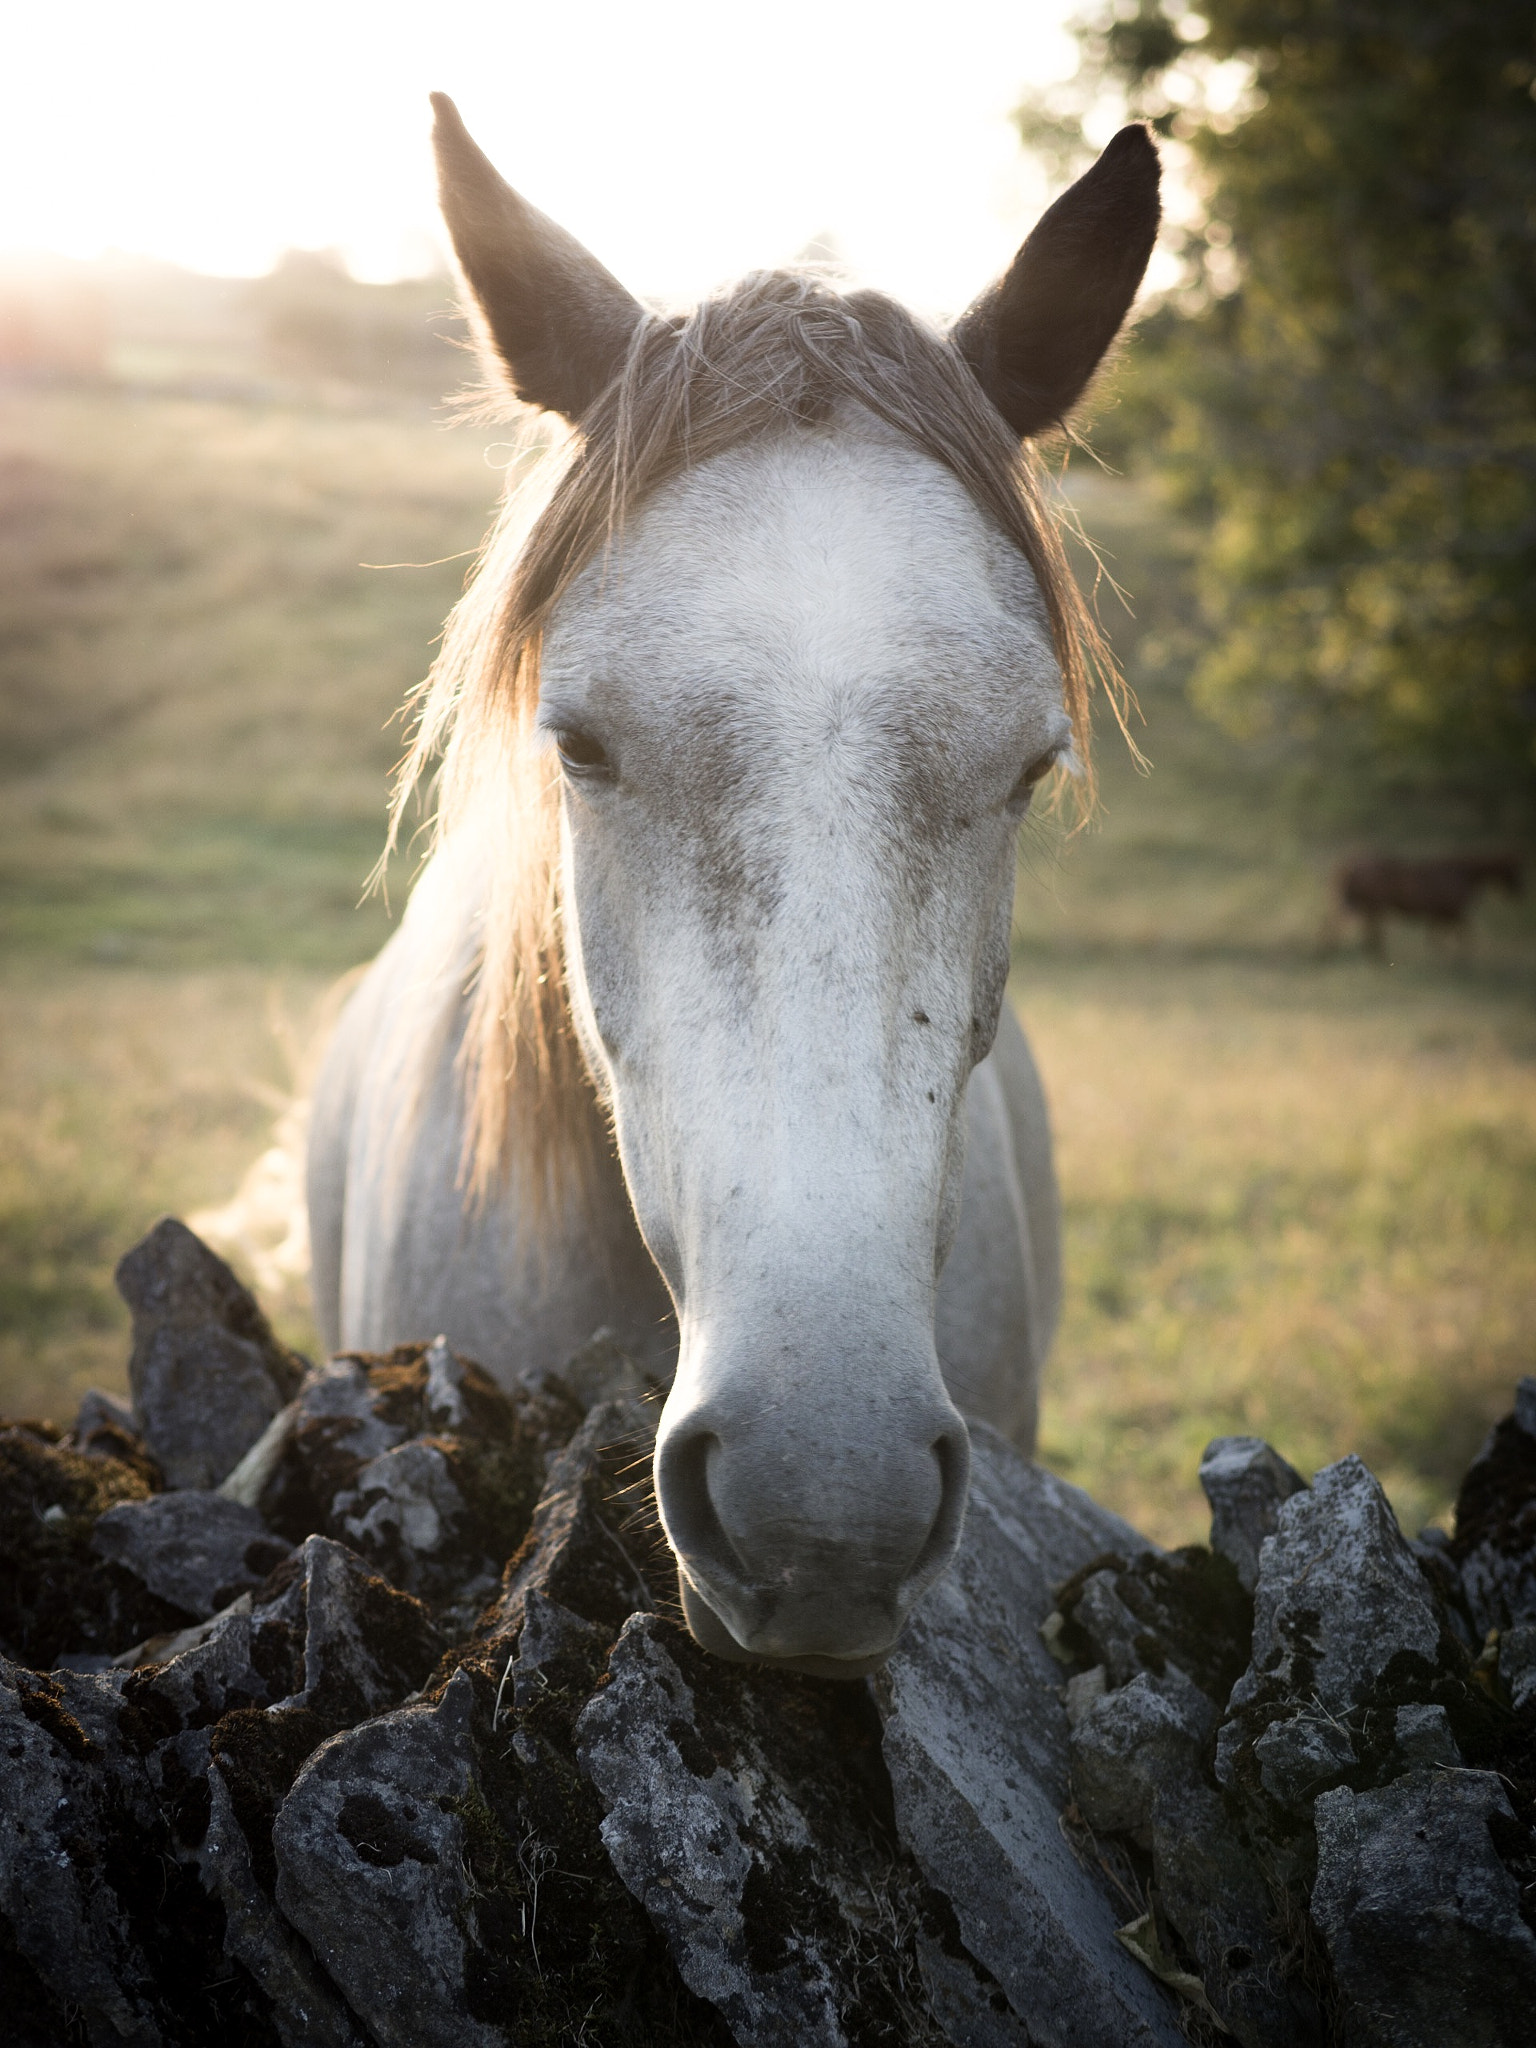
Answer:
(1299, 1185)
(123, 1095)
(1298, 1190)
(1299, 1205)
(196, 681)
(197, 673)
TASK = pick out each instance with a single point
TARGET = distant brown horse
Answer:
(1435, 892)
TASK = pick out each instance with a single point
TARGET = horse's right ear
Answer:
(1038, 334)
(556, 323)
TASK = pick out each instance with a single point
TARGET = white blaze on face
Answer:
(809, 683)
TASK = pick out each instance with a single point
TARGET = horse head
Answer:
(800, 696)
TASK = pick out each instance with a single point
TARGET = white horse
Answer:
(697, 1010)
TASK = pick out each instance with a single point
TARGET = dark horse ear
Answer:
(557, 322)
(1037, 335)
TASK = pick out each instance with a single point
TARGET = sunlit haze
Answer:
(684, 141)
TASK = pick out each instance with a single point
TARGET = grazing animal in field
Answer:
(739, 723)
(1437, 893)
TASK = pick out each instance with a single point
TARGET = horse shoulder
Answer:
(379, 1102)
(401, 1252)
(332, 1110)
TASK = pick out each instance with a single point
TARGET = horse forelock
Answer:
(779, 351)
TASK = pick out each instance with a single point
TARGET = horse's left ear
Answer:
(557, 323)
(1036, 336)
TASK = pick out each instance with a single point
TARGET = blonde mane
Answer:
(777, 350)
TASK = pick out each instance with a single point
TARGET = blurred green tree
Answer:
(1342, 382)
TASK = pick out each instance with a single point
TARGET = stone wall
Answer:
(351, 1705)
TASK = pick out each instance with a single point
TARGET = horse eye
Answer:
(1036, 772)
(582, 754)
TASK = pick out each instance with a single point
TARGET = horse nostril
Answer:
(952, 1453)
(688, 1511)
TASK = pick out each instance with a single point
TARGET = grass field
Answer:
(1299, 1186)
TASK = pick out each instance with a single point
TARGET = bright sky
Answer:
(683, 140)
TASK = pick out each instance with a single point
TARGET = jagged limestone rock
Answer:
(371, 1854)
(1245, 1481)
(1495, 1542)
(110, 1932)
(307, 2010)
(191, 1548)
(57, 1598)
(976, 1745)
(1340, 1601)
(444, 1397)
(1178, 1627)
(1434, 1554)
(1155, 1612)
(417, 1460)
(571, 1553)
(1138, 1769)
(1114, 1630)
(445, 1862)
(404, 1510)
(1421, 1918)
(105, 1427)
(1422, 1738)
(898, 1859)
(733, 1810)
(206, 1371)
(69, 1921)
(603, 1371)
(1131, 1742)
(1210, 1886)
(1299, 1754)
(1517, 1664)
(366, 1644)
(967, 2001)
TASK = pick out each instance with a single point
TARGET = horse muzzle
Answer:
(809, 1550)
